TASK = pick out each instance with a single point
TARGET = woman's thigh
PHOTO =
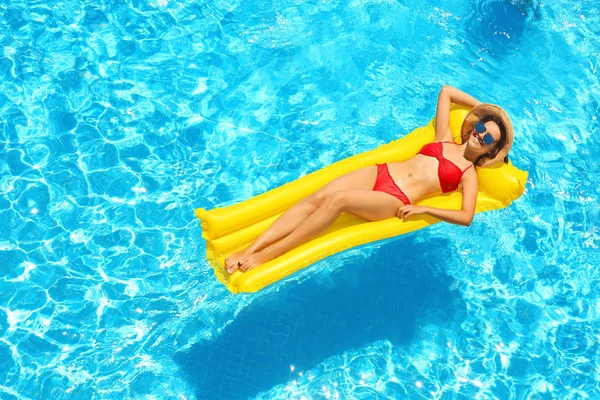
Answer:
(366, 204)
(362, 179)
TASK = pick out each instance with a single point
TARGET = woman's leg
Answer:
(363, 178)
(366, 204)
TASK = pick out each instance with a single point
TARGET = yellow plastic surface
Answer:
(234, 227)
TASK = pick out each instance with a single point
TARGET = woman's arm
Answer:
(460, 97)
(464, 216)
(442, 117)
(449, 94)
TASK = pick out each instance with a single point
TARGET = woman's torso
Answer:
(418, 176)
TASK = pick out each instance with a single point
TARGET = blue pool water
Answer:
(118, 119)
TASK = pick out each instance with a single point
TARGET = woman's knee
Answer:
(312, 202)
(317, 199)
(337, 200)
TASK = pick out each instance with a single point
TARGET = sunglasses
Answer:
(487, 138)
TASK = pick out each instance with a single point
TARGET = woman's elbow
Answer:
(468, 219)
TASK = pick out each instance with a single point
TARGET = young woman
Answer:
(386, 190)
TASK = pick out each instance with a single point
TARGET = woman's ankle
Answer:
(254, 247)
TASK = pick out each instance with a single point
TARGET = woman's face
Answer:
(476, 140)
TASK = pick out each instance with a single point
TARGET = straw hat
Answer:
(481, 111)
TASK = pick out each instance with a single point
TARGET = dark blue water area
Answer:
(400, 287)
(498, 26)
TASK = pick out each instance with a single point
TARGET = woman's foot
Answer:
(231, 262)
(256, 259)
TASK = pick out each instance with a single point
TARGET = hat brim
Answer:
(483, 110)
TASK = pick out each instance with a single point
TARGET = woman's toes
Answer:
(256, 260)
(245, 267)
(229, 261)
(232, 266)
(244, 263)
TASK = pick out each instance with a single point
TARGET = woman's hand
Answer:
(409, 209)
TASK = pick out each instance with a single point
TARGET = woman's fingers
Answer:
(404, 211)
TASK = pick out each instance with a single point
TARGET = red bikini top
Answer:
(448, 172)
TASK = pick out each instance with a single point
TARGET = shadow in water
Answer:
(384, 296)
(498, 25)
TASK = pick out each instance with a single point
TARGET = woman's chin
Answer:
(474, 143)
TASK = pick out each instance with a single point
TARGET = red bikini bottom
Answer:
(385, 183)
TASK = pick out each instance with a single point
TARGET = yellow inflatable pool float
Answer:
(234, 227)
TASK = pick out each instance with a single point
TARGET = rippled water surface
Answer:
(118, 119)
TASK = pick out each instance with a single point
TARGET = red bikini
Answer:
(449, 173)
(385, 183)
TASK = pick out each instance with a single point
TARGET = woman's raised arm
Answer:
(460, 97)
(442, 117)
(449, 94)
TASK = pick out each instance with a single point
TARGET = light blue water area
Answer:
(118, 119)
